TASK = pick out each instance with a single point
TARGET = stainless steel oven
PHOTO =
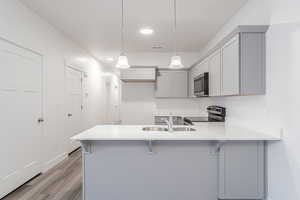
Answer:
(201, 85)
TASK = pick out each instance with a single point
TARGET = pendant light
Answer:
(176, 59)
(122, 60)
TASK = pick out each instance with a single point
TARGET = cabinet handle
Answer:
(219, 146)
(150, 147)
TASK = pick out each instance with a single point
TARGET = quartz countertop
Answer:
(204, 131)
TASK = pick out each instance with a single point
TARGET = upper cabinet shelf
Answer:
(236, 65)
(139, 74)
(172, 84)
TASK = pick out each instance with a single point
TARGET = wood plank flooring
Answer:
(63, 182)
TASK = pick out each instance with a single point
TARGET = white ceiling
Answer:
(95, 24)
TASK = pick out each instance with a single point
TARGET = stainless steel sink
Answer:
(155, 129)
(183, 129)
(175, 129)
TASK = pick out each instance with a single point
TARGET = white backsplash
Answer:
(139, 106)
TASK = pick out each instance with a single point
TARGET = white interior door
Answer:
(113, 101)
(21, 107)
(74, 105)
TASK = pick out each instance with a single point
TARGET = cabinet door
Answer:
(192, 74)
(230, 67)
(215, 74)
(196, 71)
(136, 74)
(204, 66)
(241, 170)
(172, 84)
(191, 83)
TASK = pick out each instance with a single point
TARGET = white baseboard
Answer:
(54, 161)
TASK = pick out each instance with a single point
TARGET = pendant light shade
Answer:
(176, 62)
(122, 60)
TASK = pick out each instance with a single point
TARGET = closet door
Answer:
(74, 105)
(20, 116)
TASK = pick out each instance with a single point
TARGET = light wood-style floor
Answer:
(63, 182)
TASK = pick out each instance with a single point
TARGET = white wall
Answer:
(279, 108)
(23, 27)
(139, 106)
(113, 104)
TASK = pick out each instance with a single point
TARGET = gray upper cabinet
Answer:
(241, 170)
(191, 83)
(196, 71)
(138, 74)
(243, 65)
(172, 84)
(215, 74)
(230, 67)
(252, 63)
(237, 65)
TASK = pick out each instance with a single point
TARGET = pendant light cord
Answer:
(175, 27)
(122, 27)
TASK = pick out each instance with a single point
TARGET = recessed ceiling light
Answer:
(146, 31)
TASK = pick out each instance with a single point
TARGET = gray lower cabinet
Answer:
(177, 170)
(241, 170)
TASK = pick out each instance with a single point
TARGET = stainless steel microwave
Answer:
(201, 85)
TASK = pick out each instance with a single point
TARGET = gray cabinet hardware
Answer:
(150, 147)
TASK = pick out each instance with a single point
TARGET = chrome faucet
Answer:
(169, 123)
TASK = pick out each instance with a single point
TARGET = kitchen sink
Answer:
(155, 129)
(175, 129)
(183, 129)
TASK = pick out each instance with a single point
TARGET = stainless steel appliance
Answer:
(201, 85)
(215, 114)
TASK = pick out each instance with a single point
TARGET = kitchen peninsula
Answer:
(208, 161)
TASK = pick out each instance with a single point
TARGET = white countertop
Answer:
(204, 131)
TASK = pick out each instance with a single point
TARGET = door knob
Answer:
(69, 115)
(40, 120)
